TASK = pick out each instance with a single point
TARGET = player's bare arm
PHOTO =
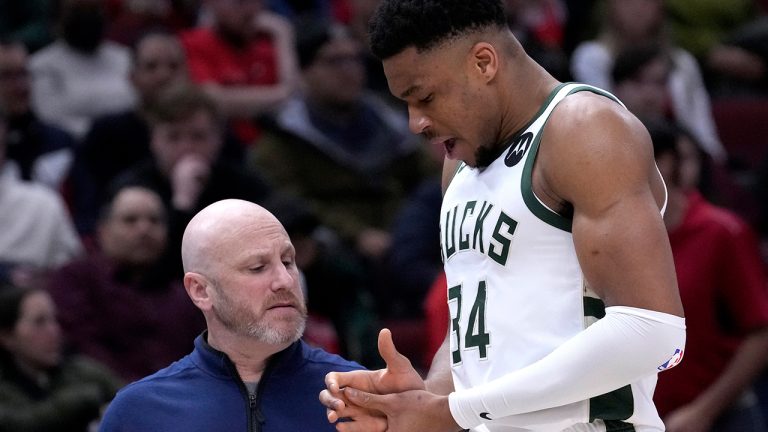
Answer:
(598, 158)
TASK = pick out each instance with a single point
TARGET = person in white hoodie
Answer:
(37, 234)
(629, 23)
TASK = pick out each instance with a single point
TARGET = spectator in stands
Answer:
(118, 141)
(27, 21)
(639, 75)
(40, 388)
(335, 284)
(36, 233)
(724, 291)
(730, 39)
(80, 76)
(302, 11)
(361, 13)
(245, 61)
(540, 27)
(628, 24)
(341, 149)
(41, 152)
(413, 260)
(136, 18)
(120, 306)
(186, 169)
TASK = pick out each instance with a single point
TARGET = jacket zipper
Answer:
(255, 419)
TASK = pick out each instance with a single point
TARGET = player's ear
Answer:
(484, 60)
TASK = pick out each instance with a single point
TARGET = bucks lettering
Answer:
(463, 229)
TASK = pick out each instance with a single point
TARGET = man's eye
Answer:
(256, 269)
(428, 98)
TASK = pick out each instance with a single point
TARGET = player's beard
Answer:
(485, 155)
(242, 321)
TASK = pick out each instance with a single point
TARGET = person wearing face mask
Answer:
(40, 388)
(80, 76)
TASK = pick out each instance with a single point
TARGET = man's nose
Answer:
(284, 278)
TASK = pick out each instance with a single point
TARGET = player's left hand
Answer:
(414, 410)
(688, 418)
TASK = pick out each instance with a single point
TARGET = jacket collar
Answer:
(218, 364)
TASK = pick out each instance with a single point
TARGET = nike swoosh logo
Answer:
(486, 415)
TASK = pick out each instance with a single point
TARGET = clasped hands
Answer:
(393, 399)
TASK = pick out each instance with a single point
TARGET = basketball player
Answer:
(561, 285)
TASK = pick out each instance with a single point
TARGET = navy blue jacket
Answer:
(203, 392)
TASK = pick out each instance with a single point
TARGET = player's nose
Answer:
(418, 123)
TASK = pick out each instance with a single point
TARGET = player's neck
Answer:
(527, 88)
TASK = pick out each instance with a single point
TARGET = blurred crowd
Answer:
(121, 119)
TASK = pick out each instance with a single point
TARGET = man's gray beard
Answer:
(262, 332)
(243, 322)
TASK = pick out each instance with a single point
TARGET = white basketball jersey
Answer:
(515, 288)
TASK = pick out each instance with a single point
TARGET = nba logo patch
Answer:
(677, 357)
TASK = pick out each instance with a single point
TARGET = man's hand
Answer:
(399, 375)
(188, 179)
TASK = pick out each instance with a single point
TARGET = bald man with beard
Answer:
(249, 371)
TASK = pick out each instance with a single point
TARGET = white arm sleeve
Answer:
(624, 346)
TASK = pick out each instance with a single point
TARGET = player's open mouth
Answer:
(449, 145)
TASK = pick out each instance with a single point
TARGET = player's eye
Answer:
(427, 99)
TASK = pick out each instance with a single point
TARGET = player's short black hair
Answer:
(424, 24)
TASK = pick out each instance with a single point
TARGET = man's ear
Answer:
(484, 60)
(197, 287)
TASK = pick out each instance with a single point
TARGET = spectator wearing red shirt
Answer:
(245, 61)
(723, 288)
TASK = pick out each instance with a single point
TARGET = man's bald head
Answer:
(215, 227)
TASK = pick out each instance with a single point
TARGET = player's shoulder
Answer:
(587, 125)
(590, 111)
(592, 142)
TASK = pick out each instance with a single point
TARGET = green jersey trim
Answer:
(618, 426)
(616, 405)
(536, 207)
